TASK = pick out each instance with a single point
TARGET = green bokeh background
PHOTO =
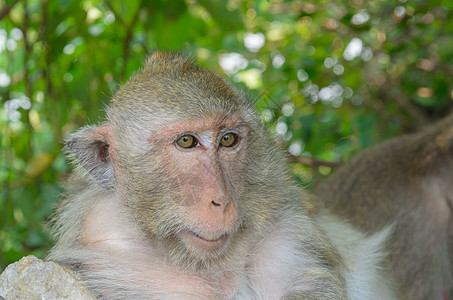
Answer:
(61, 60)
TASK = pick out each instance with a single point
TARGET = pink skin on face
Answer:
(203, 176)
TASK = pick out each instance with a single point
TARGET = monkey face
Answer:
(208, 160)
(193, 199)
(184, 151)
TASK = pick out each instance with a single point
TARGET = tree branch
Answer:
(27, 78)
(313, 163)
(129, 34)
(6, 9)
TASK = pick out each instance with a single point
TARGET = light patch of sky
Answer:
(93, 13)
(329, 62)
(348, 92)
(281, 128)
(5, 80)
(311, 90)
(69, 49)
(302, 75)
(267, 115)
(296, 148)
(353, 49)
(338, 69)
(260, 65)
(332, 94)
(360, 18)
(232, 63)
(332, 62)
(12, 106)
(288, 109)
(109, 18)
(3, 37)
(96, 29)
(16, 34)
(278, 60)
(11, 44)
(399, 11)
(254, 41)
(367, 54)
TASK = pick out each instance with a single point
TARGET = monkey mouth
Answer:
(209, 237)
(205, 240)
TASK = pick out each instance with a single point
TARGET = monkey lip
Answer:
(210, 237)
(206, 240)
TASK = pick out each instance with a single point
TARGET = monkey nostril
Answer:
(215, 203)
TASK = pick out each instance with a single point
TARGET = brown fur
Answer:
(145, 218)
(407, 180)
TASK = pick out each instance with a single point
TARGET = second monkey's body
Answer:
(182, 194)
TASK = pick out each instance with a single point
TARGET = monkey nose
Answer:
(215, 198)
(220, 203)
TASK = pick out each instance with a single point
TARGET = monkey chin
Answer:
(201, 251)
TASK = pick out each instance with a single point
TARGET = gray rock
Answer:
(32, 278)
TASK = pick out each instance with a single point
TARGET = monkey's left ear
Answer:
(90, 147)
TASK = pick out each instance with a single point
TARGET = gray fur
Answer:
(119, 223)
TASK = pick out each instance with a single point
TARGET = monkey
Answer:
(407, 181)
(181, 193)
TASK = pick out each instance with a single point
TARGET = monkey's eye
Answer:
(229, 140)
(187, 141)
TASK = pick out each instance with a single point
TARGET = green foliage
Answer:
(330, 78)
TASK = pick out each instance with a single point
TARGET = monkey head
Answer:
(176, 151)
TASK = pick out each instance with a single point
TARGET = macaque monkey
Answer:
(407, 181)
(182, 194)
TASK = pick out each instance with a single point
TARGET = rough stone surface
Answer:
(32, 278)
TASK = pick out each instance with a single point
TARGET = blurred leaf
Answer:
(224, 17)
(38, 165)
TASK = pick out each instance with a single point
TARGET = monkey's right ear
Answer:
(90, 148)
